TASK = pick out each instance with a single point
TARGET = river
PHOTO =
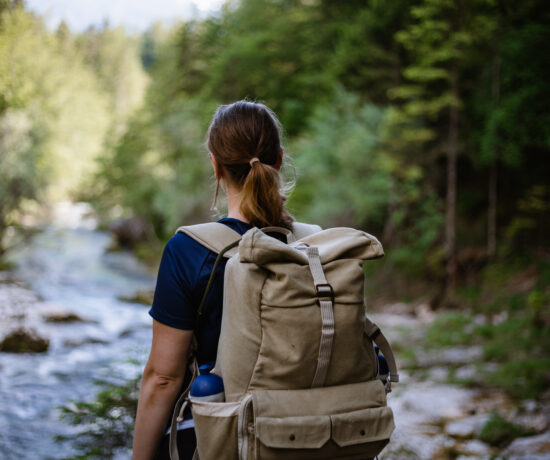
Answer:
(68, 267)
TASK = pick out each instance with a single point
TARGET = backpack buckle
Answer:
(325, 292)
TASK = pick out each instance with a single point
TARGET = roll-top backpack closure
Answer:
(335, 243)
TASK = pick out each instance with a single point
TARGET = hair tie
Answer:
(254, 160)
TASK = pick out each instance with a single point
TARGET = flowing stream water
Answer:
(69, 268)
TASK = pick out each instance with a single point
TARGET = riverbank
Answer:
(439, 420)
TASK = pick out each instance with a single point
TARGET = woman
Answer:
(245, 150)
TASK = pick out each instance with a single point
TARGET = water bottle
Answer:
(383, 368)
(207, 386)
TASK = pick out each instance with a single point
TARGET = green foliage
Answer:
(513, 329)
(159, 168)
(53, 115)
(441, 40)
(449, 330)
(340, 162)
(115, 58)
(105, 425)
(499, 432)
(522, 378)
(363, 89)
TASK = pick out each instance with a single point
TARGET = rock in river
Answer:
(24, 341)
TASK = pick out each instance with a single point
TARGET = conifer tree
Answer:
(439, 43)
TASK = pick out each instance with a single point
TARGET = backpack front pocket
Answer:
(293, 432)
(348, 421)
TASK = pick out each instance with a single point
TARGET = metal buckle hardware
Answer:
(325, 292)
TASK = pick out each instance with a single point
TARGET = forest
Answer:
(423, 122)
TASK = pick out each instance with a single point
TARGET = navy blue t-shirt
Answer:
(182, 277)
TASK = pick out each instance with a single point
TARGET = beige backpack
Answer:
(296, 350)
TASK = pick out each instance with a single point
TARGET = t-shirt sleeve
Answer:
(173, 302)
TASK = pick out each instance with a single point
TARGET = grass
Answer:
(499, 432)
(6, 265)
(507, 314)
(518, 344)
(449, 330)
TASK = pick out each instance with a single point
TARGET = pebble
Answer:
(532, 447)
(438, 374)
(449, 356)
(466, 427)
(469, 457)
(475, 447)
(467, 372)
(536, 422)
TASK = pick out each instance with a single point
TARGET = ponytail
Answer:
(244, 137)
(262, 202)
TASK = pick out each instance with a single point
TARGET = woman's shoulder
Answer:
(182, 245)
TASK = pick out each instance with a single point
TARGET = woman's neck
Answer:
(234, 205)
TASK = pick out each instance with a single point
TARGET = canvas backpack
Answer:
(295, 351)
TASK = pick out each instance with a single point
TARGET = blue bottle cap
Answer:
(206, 384)
(205, 369)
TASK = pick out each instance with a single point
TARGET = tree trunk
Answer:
(450, 212)
(492, 211)
(387, 233)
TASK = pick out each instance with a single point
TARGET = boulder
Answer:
(131, 231)
(142, 297)
(24, 341)
(466, 427)
(62, 317)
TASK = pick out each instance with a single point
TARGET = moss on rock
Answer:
(62, 317)
(24, 341)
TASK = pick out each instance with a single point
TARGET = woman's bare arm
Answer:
(162, 380)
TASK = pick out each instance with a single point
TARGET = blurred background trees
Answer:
(423, 122)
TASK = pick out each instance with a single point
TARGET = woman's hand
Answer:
(162, 380)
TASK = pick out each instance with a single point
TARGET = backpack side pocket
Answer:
(216, 425)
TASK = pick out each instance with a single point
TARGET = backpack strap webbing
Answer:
(376, 335)
(179, 409)
(222, 240)
(325, 298)
(217, 236)
(212, 235)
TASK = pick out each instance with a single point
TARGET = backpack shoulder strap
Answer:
(212, 235)
(301, 230)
